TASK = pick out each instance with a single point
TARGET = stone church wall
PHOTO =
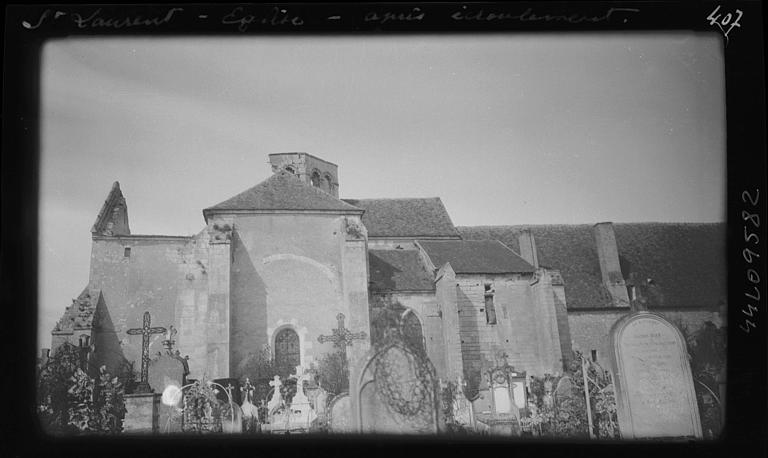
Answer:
(287, 271)
(424, 305)
(590, 329)
(135, 274)
(515, 332)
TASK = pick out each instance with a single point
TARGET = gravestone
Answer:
(398, 392)
(340, 409)
(167, 370)
(507, 391)
(564, 390)
(249, 409)
(655, 396)
(301, 412)
(462, 408)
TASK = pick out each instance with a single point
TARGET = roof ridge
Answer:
(394, 198)
(267, 195)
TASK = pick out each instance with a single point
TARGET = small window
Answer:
(127, 252)
(490, 307)
(290, 169)
(594, 356)
(315, 179)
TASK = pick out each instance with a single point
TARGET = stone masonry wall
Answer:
(590, 330)
(424, 305)
(146, 279)
(288, 271)
(515, 331)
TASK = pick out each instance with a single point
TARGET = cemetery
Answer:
(647, 393)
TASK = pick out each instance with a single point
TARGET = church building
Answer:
(286, 262)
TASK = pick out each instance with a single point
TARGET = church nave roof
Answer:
(475, 256)
(406, 217)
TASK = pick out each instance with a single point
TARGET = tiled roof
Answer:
(417, 217)
(80, 314)
(475, 256)
(398, 270)
(282, 191)
(686, 261)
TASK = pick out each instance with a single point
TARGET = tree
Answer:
(54, 379)
(333, 372)
(259, 369)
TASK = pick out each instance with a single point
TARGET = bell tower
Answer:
(309, 169)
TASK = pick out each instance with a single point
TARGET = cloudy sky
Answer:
(506, 129)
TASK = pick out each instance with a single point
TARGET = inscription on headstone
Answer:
(655, 392)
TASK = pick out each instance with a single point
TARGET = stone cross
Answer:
(145, 331)
(247, 389)
(342, 337)
(168, 342)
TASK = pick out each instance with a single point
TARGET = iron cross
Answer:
(342, 337)
(145, 331)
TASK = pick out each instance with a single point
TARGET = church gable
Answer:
(282, 191)
(113, 217)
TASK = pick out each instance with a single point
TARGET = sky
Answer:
(507, 129)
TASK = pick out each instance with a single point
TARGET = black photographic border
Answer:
(27, 28)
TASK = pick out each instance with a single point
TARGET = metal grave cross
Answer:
(342, 337)
(145, 331)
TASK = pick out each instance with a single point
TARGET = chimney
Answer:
(608, 255)
(528, 248)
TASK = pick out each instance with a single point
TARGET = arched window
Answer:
(286, 352)
(412, 332)
(328, 182)
(315, 179)
(289, 169)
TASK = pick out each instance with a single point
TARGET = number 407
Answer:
(726, 21)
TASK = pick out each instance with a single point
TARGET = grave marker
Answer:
(655, 396)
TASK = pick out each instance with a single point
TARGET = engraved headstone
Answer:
(655, 396)
(399, 392)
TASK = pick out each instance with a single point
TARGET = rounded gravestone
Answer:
(655, 396)
(341, 414)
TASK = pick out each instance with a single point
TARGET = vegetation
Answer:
(563, 413)
(708, 362)
(71, 402)
(333, 373)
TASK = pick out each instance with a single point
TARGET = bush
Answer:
(71, 402)
(333, 373)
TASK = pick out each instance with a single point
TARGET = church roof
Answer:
(410, 217)
(475, 256)
(283, 191)
(398, 270)
(687, 261)
(80, 314)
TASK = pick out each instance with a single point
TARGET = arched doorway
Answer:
(287, 352)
